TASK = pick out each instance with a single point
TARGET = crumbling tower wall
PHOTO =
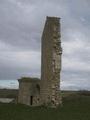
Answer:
(51, 62)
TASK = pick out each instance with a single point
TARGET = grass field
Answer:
(75, 107)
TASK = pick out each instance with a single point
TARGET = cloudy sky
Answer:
(21, 26)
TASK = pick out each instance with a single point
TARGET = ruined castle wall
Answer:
(51, 61)
(35, 92)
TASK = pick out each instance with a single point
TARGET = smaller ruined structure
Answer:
(33, 91)
(29, 91)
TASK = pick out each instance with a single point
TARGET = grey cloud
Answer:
(15, 30)
(21, 26)
(75, 80)
(13, 65)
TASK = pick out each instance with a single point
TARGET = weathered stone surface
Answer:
(29, 91)
(48, 90)
(51, 62)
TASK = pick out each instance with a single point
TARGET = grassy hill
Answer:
(75, 107)
(8, 93)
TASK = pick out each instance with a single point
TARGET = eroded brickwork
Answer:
(47, 90)
(51, 62)
(29, 91)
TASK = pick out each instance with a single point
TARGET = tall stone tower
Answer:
(51, 62)
(35, 92)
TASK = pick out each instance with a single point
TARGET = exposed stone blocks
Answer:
(51, 61)
(48, 89)
(29, 91)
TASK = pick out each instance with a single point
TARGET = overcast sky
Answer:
(21, 26)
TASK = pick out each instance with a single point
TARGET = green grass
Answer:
(75, 107)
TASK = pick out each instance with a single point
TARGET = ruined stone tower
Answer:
(33, 91)
(51, 62)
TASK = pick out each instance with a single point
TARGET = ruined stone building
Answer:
(33, 91)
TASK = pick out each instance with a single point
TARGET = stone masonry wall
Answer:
(33, 91)
(29, 91)
(51, 62)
